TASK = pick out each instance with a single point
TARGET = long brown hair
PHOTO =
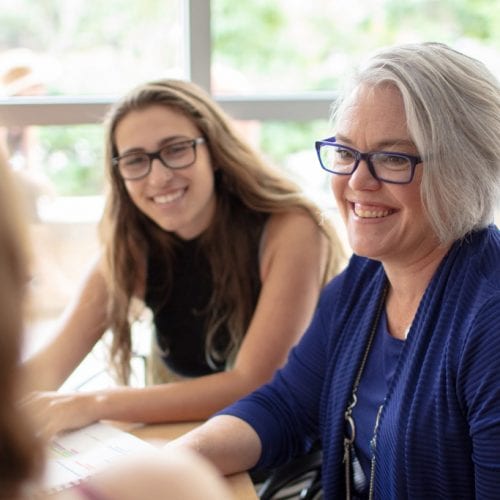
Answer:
(19, 451)
(245, 186)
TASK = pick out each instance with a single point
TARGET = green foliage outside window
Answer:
(292, 45)
(72, 158)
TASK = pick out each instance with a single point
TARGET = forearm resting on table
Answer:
(228, 442)
(185, 400)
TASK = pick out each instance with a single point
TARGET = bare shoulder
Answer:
(294, 226)
(292, 237)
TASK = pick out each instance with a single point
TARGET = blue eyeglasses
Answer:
(386, 166)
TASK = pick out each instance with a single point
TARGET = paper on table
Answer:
(76, 455)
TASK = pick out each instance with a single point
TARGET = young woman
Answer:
(153, 475)
(227, 253)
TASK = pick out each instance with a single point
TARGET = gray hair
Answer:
(452, 105)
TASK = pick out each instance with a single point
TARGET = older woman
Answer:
(398, 373)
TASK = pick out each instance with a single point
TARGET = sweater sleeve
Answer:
(479, 389)
(284, 412)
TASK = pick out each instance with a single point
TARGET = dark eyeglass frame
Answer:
(156, 155)
(358, 155)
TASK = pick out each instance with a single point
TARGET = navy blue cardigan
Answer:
(439, 432)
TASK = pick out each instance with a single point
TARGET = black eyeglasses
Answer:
(133, 166)
(386, 166)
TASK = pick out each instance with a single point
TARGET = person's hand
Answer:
(54, 412)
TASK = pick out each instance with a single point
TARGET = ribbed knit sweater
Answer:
(439, 432)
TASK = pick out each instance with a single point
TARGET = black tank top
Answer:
(180, 318)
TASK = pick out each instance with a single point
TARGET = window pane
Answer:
(290, 146)
(90, 47)
(68, 159)
(60, 176)
(295, 45)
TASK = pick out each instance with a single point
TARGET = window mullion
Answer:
(198, 43)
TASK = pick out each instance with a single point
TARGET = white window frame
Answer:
(78, 110)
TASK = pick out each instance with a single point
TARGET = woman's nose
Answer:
(362, 178)
(159, 172)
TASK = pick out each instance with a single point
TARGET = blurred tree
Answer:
(73, 158)
(289, 45)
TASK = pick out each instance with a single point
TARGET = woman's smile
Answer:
(364, 211)
(169, 198)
